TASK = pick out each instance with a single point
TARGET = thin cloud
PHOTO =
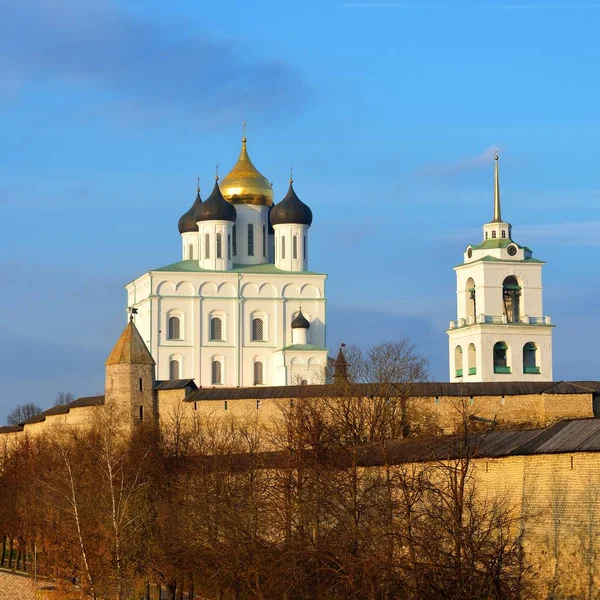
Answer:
(484, 159)
(104, 59)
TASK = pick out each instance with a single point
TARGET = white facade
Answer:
(222, 315)
(501, 332)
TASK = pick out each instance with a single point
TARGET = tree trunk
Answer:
(191, 587)
(10, 552)
(3, 551)
(172, 590)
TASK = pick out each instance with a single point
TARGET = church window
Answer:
(234, 240)
(511, 299)
(257, 404)
(216, 329)
(458, 361)
(304, 248)
(283, 247)
(472, 358)
(264, 241)
(228, 246)
(494, 233)
(174, 332)
(190, 251)
(174, 369)
(258, 373)
(207, 246)
(250, 239)
(530, 364)
(219, 245)
(295, 246)
(257, 330)
(216, 372)
(486, 235)
(470, 298)
(141, 413)
(501, 358)
(141, 384)
(504, 233)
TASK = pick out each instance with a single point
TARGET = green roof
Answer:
(489, 258)
(497, 243)
(305, 348)
(191, 266)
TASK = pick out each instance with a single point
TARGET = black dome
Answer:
(291, 210)
(300, 321)
(270, 229)
(187, 221)
(215, 208)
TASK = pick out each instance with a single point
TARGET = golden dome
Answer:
(244, 184)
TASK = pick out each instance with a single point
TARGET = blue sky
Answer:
(389, 112)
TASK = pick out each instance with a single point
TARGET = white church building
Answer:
(501, 332)
(241, 307)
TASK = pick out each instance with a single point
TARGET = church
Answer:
(241, 308)
(501, 333)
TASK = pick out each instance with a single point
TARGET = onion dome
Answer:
(291, 210)
(187, 222)
(270, 229)
(300, 321)
(215, 207)
(245, 185)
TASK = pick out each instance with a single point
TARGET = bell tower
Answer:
(500, 333)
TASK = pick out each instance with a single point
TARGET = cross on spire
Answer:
(132, 311)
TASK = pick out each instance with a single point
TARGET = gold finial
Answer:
(217, 173)
(497, 214)
(198, 186)
(291, 174)
(244, 136)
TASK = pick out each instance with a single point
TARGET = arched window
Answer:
(219, 245)
(216, 372)
(234, 240)
(216, 329)
(472, 358)
(257, 330)
(190, 251)
(295, 246)
(503, 233)
(486, 235)
(283, 247)
(174, 330)
(458, 361)
(250, 239)
(258, 373)
(264, 241)
(228, 246)
(501, 358)
(471, 298)
(174, 369)
(511, 299)
(530, 359)
(494, 233)
(207, 246)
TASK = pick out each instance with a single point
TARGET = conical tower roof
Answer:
(130, 348)
(245, 184)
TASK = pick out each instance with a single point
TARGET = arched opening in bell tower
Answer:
(501, 364)
(471, 308)
(472, 358)
(511, 299)
(530, 359)
(458, 361)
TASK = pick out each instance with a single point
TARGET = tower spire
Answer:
(497, 215)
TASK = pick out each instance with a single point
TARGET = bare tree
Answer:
(63, 398)
(22, 413)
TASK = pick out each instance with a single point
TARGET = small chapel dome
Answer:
(300, 321)
(215, 207)
(245, 184)
(187, 221)
(291, 210)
